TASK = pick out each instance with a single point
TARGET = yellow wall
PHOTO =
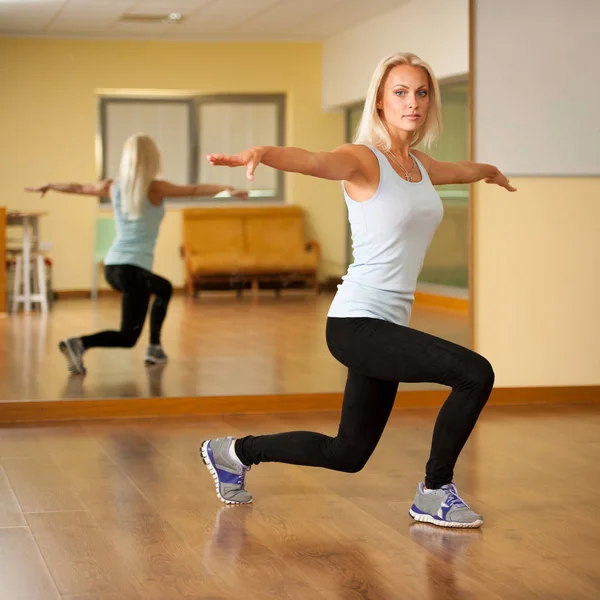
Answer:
(537, 284)
(48, 120)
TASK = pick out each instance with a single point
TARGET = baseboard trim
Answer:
(108, 292)
(73, 410)
(524, 396)
(102, 293)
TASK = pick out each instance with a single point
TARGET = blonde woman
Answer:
(394, 211)
(138, 202)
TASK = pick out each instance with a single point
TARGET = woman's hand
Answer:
(241, 194)
(250, 158)
(39, 190)
(501, 180)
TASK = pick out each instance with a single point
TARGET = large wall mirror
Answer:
(238, 335)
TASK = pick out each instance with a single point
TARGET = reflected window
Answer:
(229, 124)
(186, 129)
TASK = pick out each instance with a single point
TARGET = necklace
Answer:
(407, 173)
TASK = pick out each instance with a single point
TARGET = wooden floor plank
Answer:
(17, 441)
(40, 486)
(77, 554)
(23, 572)
(10, 510)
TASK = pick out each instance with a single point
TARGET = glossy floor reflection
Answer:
(217, 346)
(125, 510)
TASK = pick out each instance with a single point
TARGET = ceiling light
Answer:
(174, 17)
(170, 19)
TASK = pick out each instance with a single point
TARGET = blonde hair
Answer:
(372, 129)
(140, 165)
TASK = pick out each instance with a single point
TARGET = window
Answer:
(166, 121)
(229, 124)
(186, 129)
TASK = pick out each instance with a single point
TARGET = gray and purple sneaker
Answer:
(155, 355)
(229, 475)
(73, 350)
(443, 507)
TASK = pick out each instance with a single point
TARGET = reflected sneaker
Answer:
(73, 350)
(446, 542)
(228, 473)
(443, 507)
(155, 355)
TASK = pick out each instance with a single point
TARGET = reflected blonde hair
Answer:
(372, 129)
(140, 165)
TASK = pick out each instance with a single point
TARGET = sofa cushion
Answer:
(216, 263)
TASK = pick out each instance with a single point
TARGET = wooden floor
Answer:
(125, 510)
(217, 345)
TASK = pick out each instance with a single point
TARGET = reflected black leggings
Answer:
(137, 285)
(379, 355)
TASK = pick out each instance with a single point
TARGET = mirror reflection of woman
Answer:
(394, 211)
(137, 198)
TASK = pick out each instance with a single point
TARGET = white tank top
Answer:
(391, 232)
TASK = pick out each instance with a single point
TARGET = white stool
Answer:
(25, 296)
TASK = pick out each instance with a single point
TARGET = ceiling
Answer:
(201, 19)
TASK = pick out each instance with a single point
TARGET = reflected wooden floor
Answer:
(217, 345)
(125, 510)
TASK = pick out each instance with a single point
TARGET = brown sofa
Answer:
(247, 244)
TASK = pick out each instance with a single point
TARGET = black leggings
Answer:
(379, 355)
(137, 285)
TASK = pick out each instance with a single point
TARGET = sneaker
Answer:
(155, 355)
(443, 507)
(229, 474)
(73, 350)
